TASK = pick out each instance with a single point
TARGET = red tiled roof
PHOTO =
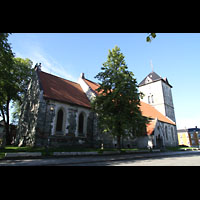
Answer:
(66, 91)
(151, 126)
(151, 112)
(92, 85)
(147, 110)
(62, 90)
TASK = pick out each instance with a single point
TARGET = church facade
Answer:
(57, 112)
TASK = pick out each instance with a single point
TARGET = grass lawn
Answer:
(178, 148)
(58, 149)
(45, 152)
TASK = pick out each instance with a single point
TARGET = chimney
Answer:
(82, 75)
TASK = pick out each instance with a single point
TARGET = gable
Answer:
(148, 80)
(92, 85)
(153, 77)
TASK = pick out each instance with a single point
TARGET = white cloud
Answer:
(49, 64)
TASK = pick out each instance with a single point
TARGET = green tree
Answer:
(150, 37)
(23, 73)
(117, 104)
(15, 74)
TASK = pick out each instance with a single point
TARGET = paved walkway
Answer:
(90, 160)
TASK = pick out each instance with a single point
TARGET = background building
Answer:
(189, 137)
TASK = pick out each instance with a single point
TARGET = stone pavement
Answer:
(87, 160)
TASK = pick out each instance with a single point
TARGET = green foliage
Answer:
(15, 74)
(150, 37)
(117, 104)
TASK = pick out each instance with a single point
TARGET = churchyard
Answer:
(46, 152)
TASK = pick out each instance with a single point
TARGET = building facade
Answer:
(158, 93)
(189, 137)
(57, 112)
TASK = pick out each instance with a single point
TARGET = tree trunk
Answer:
(8, 123)
(119, 142)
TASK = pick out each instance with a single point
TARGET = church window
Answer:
(166, 132)
(152, 99)
(80, 123)
(149, 101)
(172, 132)
(59, 123)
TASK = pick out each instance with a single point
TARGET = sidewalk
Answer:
(25, 155)
(73, 160)
(61, 154)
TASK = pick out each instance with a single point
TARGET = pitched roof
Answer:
(66, 91)
(92, 85)
(153, 77)
(151, 126)
(149, 111)
(62, 90)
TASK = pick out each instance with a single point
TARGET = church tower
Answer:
(157, 91)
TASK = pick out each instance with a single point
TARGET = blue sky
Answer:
(174, 55)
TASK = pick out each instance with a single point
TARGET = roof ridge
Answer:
(63, 90)
(59, 77)
(91, 81)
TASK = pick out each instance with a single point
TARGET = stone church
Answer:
(57, 112)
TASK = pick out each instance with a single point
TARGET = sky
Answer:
(173, 55)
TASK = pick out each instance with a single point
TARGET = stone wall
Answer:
(38, 118)
(164, 135)
(162, 97)
(169, 106)
(29, 114)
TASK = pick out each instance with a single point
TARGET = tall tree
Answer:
(117, 104)
(14, 76)
(6, 61)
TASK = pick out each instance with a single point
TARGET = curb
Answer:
(74, 153)
(23, 154)
(56, 154)
(192, 149)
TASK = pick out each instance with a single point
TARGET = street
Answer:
(187, 158)
(178, 160)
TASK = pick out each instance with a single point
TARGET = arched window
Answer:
(152, 100)
(172, 132)
(166, 134)
(149, 101)
(59, 123)
(80, 123)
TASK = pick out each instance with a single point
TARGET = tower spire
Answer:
(151, 65)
